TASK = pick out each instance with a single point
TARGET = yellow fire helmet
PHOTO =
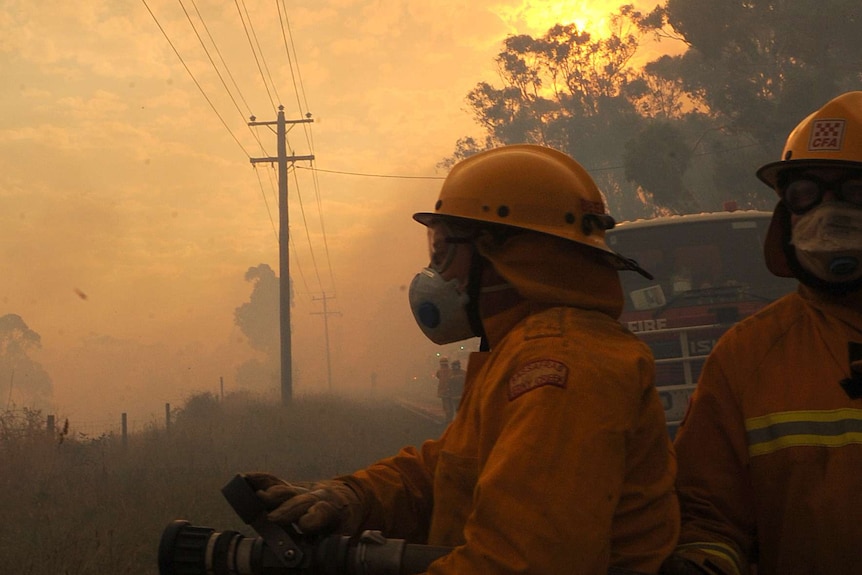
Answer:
(529, 187)
(830, 137)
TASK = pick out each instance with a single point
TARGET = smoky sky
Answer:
(131, 210)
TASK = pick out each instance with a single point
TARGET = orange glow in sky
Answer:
(538, 16)
(130, 210)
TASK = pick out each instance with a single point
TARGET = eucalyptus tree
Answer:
(682, 133)
(24, 382)
(578, 93)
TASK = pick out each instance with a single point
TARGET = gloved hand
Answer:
(676, 565)
(321, 507)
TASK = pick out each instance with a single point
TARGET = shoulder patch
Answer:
(537, 374)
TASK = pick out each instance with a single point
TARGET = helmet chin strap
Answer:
(474, 288)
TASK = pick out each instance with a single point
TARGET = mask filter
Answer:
(828, 242)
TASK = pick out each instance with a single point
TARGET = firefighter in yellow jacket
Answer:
(559, 461)
(770, 452)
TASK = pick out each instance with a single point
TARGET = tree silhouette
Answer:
(22, 378)
(682, 133)
(658, 158)
(578, 94)
(258, 319)
(759, 67)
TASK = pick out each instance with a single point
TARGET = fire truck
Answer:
(709, 274)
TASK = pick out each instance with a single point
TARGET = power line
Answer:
(299, 89)
(299, 264)
(207, 52)
(305, 223)
(253, 51)
(284, 35)
(323, 230)
(221, 58)
(260, 143)
(326, 313)
(235, 94)
(227, 70)
(192, 76)
(287, 38)
(601, 169)
(364, 175)
(263, 193)
(283, 246)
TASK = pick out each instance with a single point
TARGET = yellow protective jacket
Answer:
(770, 452)
(558, 461)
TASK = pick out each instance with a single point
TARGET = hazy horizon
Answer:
(131, 213)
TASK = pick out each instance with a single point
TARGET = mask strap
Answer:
(474, 288)
(498, 287)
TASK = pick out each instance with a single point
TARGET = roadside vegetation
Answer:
(83, 506)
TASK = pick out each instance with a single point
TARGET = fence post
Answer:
(49, 428)
(124, 422)
(167, 417)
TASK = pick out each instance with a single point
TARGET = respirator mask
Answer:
(440, 308)
(828, 242)
(447, 310)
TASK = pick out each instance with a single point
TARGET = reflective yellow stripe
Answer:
(829, 428)
(726, 553)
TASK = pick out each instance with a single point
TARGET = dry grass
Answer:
(95, 507)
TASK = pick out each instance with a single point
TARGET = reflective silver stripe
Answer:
(831, 428)
(724, 552)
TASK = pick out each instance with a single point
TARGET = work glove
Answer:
(321, 507)
(676, 565)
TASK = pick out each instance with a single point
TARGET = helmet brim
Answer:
(616, 260)
(424, 218)
(769, 173)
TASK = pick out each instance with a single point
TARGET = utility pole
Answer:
(283, 253)
(325, 315)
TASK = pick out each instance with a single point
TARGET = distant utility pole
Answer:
(283, 253)
(325, 315)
